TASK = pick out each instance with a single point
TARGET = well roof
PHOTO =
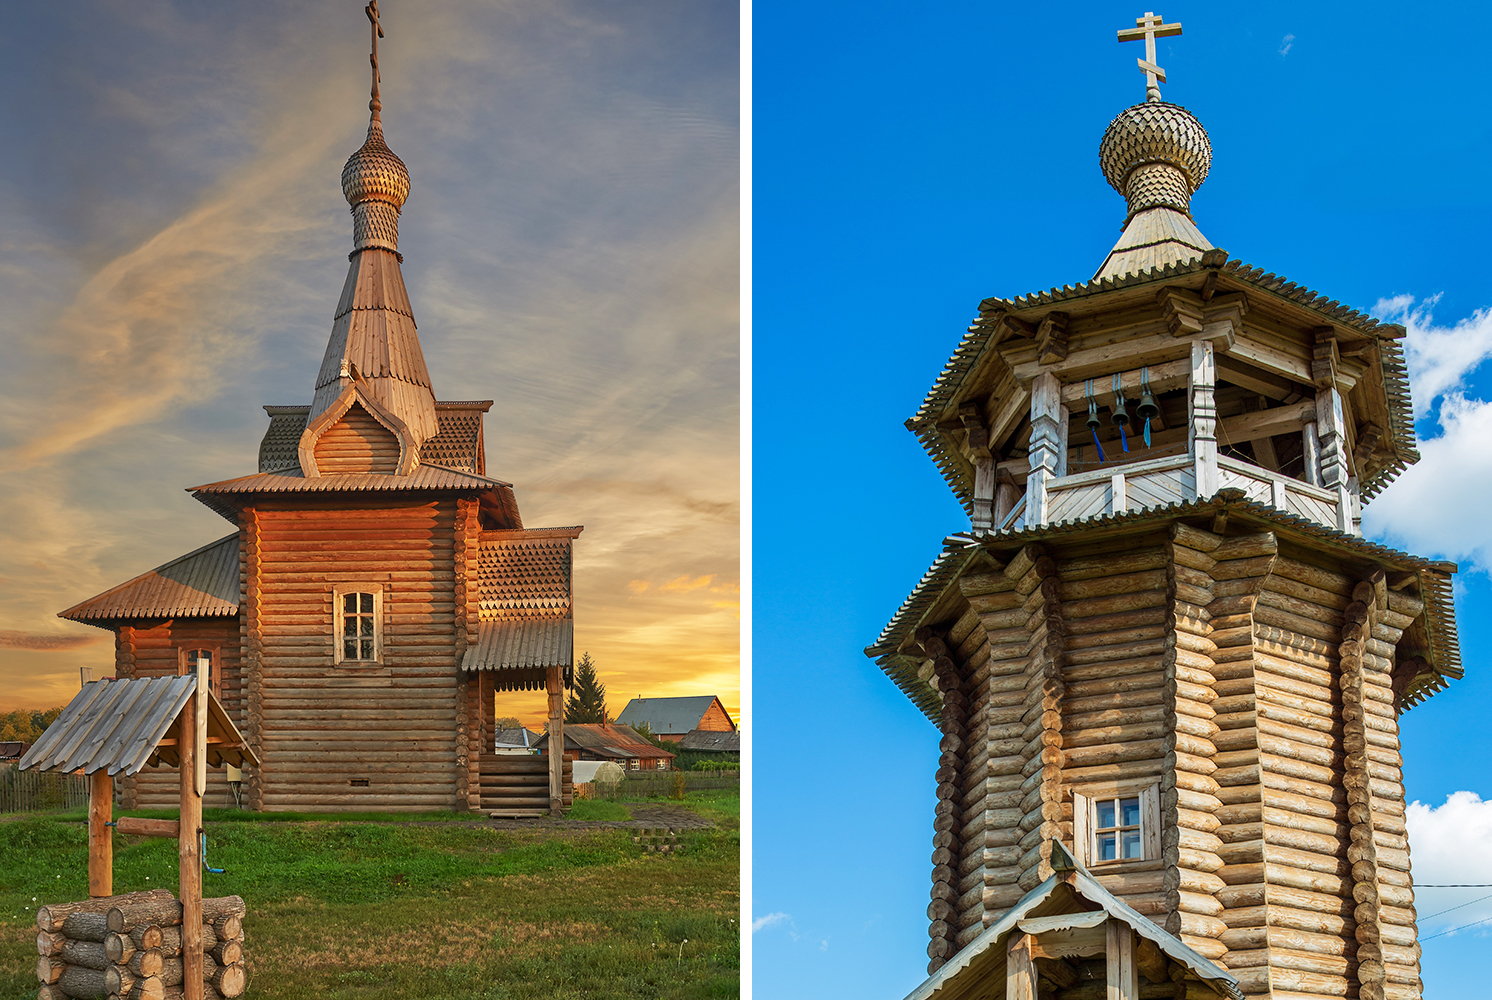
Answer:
(201, 584)
(117, 726)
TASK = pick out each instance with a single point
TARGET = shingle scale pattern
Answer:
(524, 577)
(457, 446)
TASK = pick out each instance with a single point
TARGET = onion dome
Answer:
(1156, 154)
(375, 183)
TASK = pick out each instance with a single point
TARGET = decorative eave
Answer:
(961, 550)
(497, 497)
(201, 584)
(987, 330)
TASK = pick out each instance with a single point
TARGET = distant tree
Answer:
(646, 732)
(509, 722)
(27, 726)
(588, 698)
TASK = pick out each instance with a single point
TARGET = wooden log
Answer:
(85, 926)
(50, 917)
(149, 962)
(100, 838)
(167, 912)
(49, 969)
(137, 827)
(147, 936)
(232, 980)
(118, 947)
(83, 984)
(87, 954)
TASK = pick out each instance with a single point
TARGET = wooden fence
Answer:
(39, 791)
(665, 783)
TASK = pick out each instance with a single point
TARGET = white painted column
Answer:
(1331, 429)
(1048, 455)
(1202, 432)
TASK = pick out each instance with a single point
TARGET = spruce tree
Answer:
(588, 698)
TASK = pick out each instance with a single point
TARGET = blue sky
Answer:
(910, 160)
(175, 238)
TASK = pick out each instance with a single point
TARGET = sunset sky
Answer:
(175, 239)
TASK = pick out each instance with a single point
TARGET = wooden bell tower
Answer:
(1163, 645)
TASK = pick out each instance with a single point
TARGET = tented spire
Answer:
(373, 358)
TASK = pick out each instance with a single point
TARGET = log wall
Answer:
(1252, 683)
(153, 649)
(321, 725)
(357, 443)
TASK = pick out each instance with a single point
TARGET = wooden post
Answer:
(556, 741)
(984, 494)
(1202, 433)
(1123, 979)
(1020, 970)
(188, 844)
(1311, 445)
(1118, 494)
(1332, 431)
(1048, 454)
(1007, 495)
(100, 836)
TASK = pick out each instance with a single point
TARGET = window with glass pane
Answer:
(357, 627)
(192, 656)
(1117, 829)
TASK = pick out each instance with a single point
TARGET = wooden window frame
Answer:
(215, 674)
(1084, 806)
(340, 591)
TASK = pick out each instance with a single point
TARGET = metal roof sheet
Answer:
(711, 740)
(1435, 584)
(668, 715)
(201, 584)
(117, 726)
(981, 334)
(977, 969)
(522, 644)
(425, 477)
(610, 737)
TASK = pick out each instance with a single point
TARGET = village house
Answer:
(674, 718)
(1166, 667)
(379, 588)
(614, 742)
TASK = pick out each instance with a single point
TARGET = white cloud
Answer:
(1437, 505)
(1449, 844)
(1439, 357)
(770, 920)
(1285, 44)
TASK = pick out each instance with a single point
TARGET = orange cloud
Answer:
(11, 639)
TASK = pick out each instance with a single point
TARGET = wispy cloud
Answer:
(1450, 847)
(1439, 357)
(11, 639)
(770, 920)
(1286, 44)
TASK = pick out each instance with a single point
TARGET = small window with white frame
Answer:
(1116, 824)
(189, 655)
(358, 628)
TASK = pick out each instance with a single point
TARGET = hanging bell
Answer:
(1094, 421)
(1120, 416)
(1147, 410)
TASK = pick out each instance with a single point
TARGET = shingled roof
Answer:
(962, 550)
(201, 584)
(458, 445)
(525, 573)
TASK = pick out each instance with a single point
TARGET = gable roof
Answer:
(978, 969)
(117, 726)
(520, 737)
(669, 715)
(457, 445)
(201, 584)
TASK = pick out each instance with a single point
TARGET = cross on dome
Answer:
(1150, 27)
(375, 105)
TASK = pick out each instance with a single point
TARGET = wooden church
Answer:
(1164, 661)
(378, 589)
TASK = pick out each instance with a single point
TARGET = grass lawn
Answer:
(425, 906)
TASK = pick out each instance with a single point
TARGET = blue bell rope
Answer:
(1118, 407)
(1093, 421)
(1145, 388)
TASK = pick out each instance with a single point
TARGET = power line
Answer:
(1454, 929)
(1434, 915)
(1453, 885)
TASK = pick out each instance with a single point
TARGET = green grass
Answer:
(378, 908)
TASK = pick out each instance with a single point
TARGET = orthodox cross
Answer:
(375, 105)
(1149, 27)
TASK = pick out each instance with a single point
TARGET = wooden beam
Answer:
(1163, 377)
(188, 842)
(100, 836)
(1123, 979)
(1020, 969)
(556, 689)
